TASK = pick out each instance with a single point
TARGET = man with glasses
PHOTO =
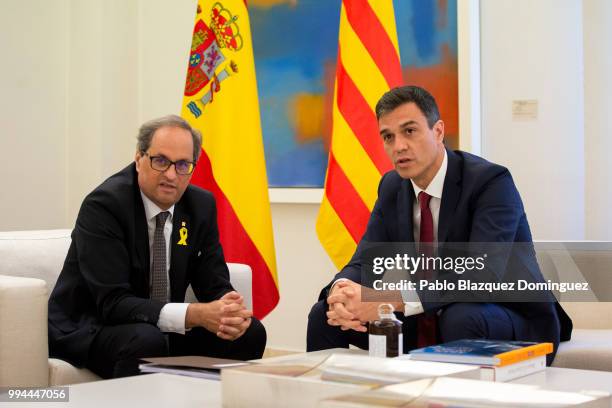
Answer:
(140, 239)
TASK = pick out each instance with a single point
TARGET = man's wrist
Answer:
(194, 315)
(189, 316)
(398, 306)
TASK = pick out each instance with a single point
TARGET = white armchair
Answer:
(30, 262)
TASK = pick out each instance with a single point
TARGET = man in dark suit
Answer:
(140, 239)
(436, 196)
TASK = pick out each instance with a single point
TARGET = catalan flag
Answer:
(221, 101)
(368, 66)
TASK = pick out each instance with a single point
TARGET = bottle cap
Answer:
(385, 311)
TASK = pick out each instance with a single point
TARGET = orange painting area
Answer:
(306, 112)
(441, 81)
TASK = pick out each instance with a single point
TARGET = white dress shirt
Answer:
(412, 304)
(434, 189)
(172, 315)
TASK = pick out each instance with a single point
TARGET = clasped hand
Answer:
(227, 317)
(346, 308)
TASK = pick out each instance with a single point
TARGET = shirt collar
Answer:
(151, 209)
(436, 186)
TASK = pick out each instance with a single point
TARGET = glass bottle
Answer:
(385, 334)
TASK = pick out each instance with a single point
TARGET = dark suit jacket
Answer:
(105, 278)
(480, 204)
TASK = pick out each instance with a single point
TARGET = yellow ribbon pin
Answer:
(183, 233)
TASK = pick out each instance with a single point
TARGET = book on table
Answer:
(380, 370)
(482, 352)
(512, 371)
(501, 373)
(191, 366)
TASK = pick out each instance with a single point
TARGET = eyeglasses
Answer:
(160, 163)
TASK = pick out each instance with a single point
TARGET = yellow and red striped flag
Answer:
(368, 66)
(221, 101)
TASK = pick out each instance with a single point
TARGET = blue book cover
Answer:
(482, 352)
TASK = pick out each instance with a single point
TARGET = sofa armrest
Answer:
(63, 373)
(24, 349)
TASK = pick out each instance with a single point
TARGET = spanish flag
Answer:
(221, 101)
(368, 66)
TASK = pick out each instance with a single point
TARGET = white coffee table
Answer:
(165, 390)
(569, 379)
(153, 390)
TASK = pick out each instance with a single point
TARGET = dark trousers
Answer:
(116, 350)
(457, 321)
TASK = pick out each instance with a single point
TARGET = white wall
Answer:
(597, 17)
(532, 50)
(71, 108)
(33, 82)
(165, 40)
(303, 269)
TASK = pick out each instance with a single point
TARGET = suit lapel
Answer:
(182, 238)
(451, 193)
(141, 235)
(405, 201)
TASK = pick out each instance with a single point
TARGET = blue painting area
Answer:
(278, 80)
(419, 35)
(449, 35)
(304, 166)
(293, 44)
(415, 21)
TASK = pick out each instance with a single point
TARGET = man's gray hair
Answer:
(148, 129)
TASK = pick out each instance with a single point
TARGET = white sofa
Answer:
(30, 262)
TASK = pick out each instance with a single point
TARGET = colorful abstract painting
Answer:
(295, 43)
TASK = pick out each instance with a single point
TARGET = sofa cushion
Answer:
(588, 350)
(589, 315)
(34, 254)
